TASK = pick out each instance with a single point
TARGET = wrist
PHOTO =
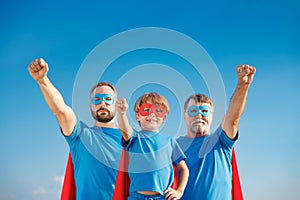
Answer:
(42, 80)
(122, 113)
(180, 190)
(243, 85)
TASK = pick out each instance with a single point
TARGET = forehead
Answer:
(103, 90)
(149, 101)
(192, 102)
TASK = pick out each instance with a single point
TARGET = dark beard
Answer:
(103, 118)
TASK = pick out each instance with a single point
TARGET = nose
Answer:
(102, 103)
(152, 115)
(199, 115)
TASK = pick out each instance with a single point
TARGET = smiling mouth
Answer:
(151, 120)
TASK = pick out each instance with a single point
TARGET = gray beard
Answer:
(198, 129)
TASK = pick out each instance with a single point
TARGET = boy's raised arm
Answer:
(124, 126)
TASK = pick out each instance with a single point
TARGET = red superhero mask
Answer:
(147, 109)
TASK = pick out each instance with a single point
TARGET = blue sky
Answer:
(264, 34)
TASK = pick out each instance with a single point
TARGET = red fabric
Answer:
(175, 182)
(236, 191)
(69, 187)
(122, 183)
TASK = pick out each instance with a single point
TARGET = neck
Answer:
(195, 135)
(110, 124)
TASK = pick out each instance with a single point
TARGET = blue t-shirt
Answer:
(151, 159)
(209, 163)
(96, 156)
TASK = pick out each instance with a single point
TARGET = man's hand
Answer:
(245, 74)
(121, 106)
(38, 69)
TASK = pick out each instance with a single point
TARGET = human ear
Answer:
(185, 116)
(137, 116)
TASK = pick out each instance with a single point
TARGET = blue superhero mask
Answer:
(195, 110)
(98, 98)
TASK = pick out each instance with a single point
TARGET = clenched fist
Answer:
(38, 69)
(245, 73)
(121, 106)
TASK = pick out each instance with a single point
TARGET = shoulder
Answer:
(220, 136)
(78, 128)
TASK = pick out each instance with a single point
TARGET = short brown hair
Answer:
(199, 98)
(154, 98)
(100, 84)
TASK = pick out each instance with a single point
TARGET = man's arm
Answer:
(237, 103)
(123, 123)
(66, 118)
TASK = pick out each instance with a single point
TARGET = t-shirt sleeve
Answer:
(225, 140)
(127, 144)
(177, 154)
(71, 139)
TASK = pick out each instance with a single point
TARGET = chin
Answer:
(150, 128)
(199, 130)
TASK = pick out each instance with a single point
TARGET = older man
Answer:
(209, 154)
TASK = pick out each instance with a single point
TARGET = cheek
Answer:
(161, 120)
(188, 120)
(92, 106)
(111, 108)
(209, 119)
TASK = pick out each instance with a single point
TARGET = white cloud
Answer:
(41, 191)
(59, 180)
(53, 189)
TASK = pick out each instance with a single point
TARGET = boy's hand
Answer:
(171, 194)
(121, 106)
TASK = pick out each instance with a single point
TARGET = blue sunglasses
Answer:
(98, 98)
(195, 110)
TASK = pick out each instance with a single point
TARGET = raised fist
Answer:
(38, 69)
(121, 106)
(245, 73)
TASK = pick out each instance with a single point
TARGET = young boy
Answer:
(151, 154)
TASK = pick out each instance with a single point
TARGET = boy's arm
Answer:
(123, 123)
(66, 118)
(183, 175)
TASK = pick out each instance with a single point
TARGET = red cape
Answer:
(122, 183)
(236, 190)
